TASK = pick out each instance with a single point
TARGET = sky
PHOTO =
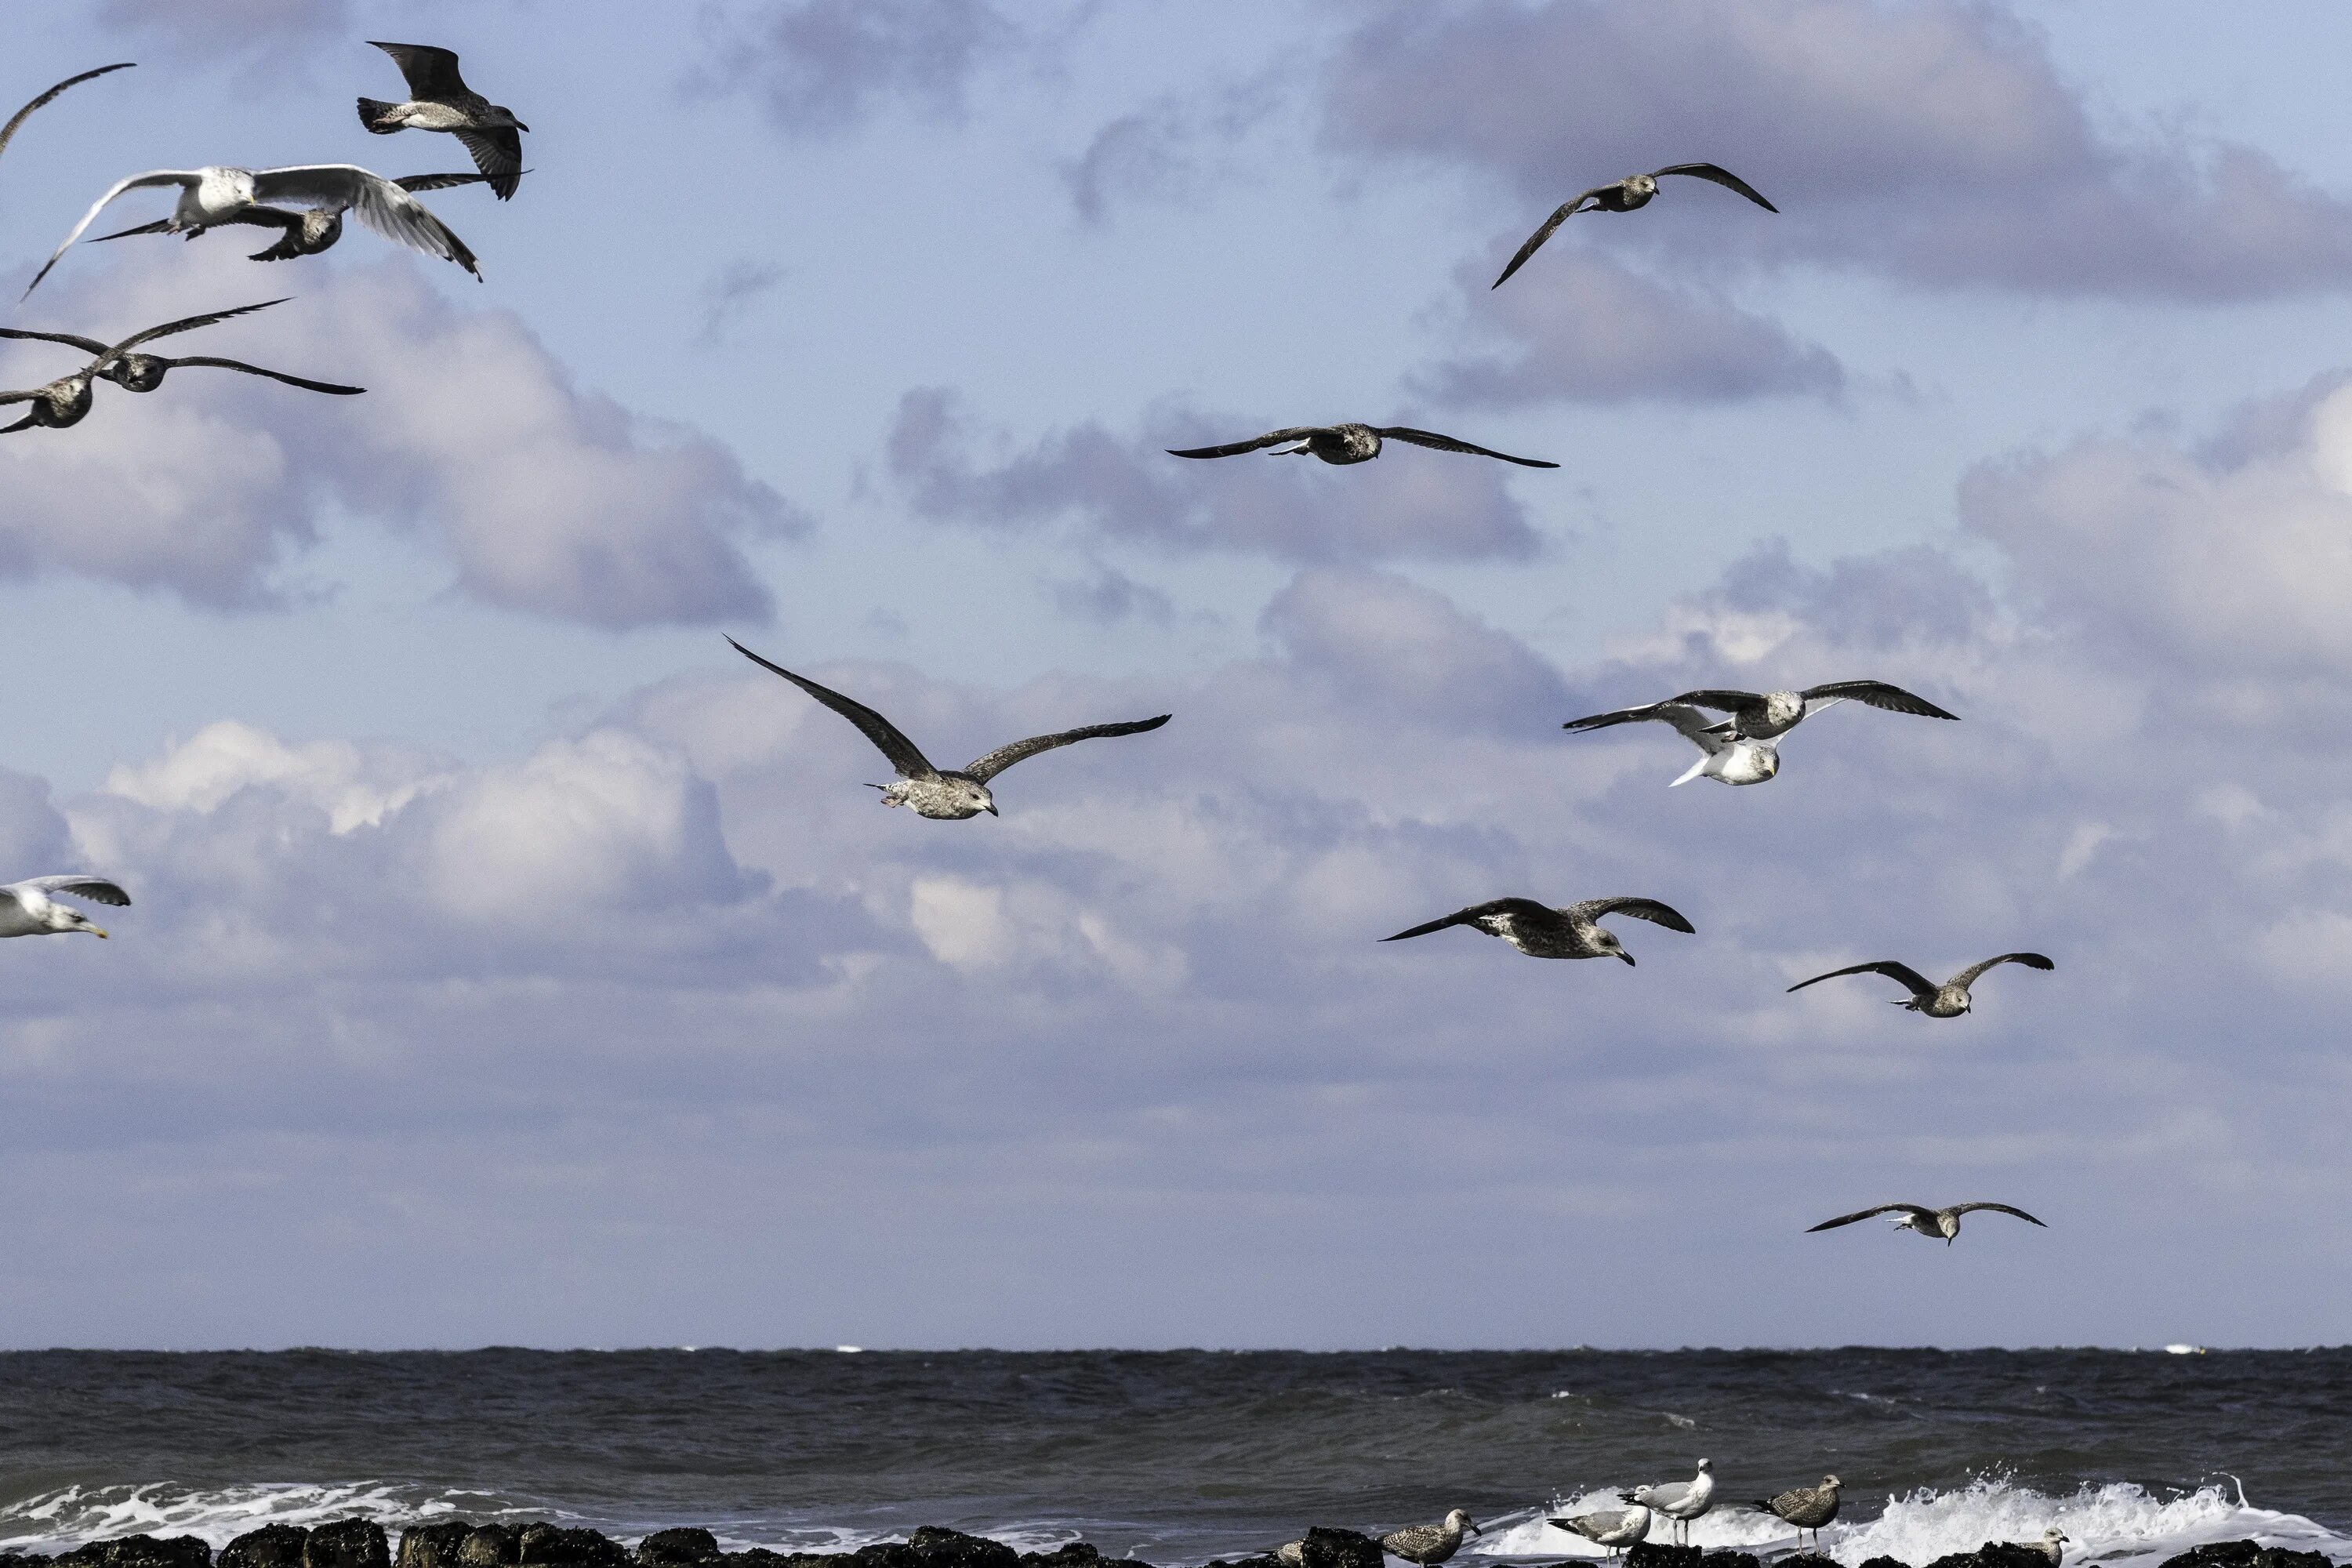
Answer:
(511, 963)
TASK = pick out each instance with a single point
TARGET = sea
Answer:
(1177, 1457)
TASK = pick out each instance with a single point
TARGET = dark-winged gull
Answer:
(1541, 931)
(1807, 1507)
(217, 193)
(439, 100)
(1721, 757)
(8, 131)
(66, 400)
(944, 794)
(1616, 1529)
(1429, 1544)
(1768, 715)
(1680, 1501)
(1935, 1223)
(144, 373)
(1623, 196)
(302, 231)
(28, 908)
(1948, 1000)
(1343, 444)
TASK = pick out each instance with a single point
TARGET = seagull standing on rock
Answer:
(1807, 1507)
(1948, 1000)
(1680, 1501)
(1941, 1224)
(1615, 1530)
(28, 908)
(1344, 444)
(439, 100)
(1540, 931)
(944, 796)
(1628, 194)
(1427, 1545)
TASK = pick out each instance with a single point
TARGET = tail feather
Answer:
(1693, 772)
(372, 111)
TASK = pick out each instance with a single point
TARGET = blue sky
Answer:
(512, 964)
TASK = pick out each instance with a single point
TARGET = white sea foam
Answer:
(64, 1519)
(2116, 1526)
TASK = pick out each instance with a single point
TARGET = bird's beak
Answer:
(991, 808)
(99, 931)
(520, 126)
(1474, 1529)
(1627, 957)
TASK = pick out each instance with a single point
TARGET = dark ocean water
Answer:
(1179, 1457)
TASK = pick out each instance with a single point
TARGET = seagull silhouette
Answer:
(1541, 931)
(1343, 444)
(66, 401)
(1623, 196)
(144, 373)
(1935, 1223)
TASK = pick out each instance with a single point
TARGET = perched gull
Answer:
(301, 232)
(1616, 1529)
(1733, 754)
(1934, 1224)
(1429, 1545)
(1807, 1507)
(217, 195)
(1540, 931)
(2052, 1545)
(950, 795)
(1624, 196)
(144, 373)
(1349, 443)
(17, 119)
(27, 909)
(1680, 1501)
(66, 400)
(1948, 1000)
(439, 100)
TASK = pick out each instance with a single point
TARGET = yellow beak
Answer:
(96, 931)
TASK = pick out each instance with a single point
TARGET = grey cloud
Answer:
(1410, 504)
(1166, 150)
(1935, 142)
(730, 293)
(1107, 596)
(819, 66)
(217, 28)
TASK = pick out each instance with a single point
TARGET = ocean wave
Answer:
(65, 1519)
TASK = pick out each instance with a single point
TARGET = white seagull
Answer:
(1680, 1501)
(1615, 1530)
(1737, 749)
(217, 195)
(27, 909)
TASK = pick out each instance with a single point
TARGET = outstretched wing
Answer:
(1721, 176)
(1693, 726)
(1876, 693)
(1648, 910)
(415, 182)
(431, 72)
(98, 890)
(1448, 444)
(1910, 978)
(87, 345)
(380, 204)
(987, 767)
(1741, 704)
(1524, 908)
(185, 324)
(9, 130)
(131, 183)
(1998, 1208)
(910, 762)
(1535, 241)
(1865, 1214)
(498, 153)
(307, 385)
(1968, 978)
(1235, 448)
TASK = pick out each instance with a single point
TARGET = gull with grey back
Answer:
(1343, 444)
(1633, 192)
(302, 231)
(1680, 1501)
(1539, 931)
(439, 100)
(1948, 1000)
(1737, 750)
(1427, 1545)
(1935, 1224)
(29, 908)
(1615, 1529)
(948, 794)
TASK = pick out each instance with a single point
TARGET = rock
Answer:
(433, 1545)
(933, 1547)
(1069, 1555)
(271, 1546)
(1659, 1555)
(1885, 1562)
(1328, 1548)
(541, 1542)
(1262, 1560)
(142, 1552)
(1721, 1558)
(489, 1546)
(686, 1548)
(2245, 1554)
(880, 1555)
(347, 1543)
(1811, 1560)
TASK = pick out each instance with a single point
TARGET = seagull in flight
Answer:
(944, 794)
(1736, 749)
(1540, 931)
(302, 231)
(28, 908)
(439, 100)
(1343, 444)
(1948, 1000)
(1623, 196)
(66, 401)
(144, 373)
(218, 194)
(1935, 1223)
(1680, 1501)
(1721, 758)
(8, 131)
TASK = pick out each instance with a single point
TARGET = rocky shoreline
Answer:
(464, 1543)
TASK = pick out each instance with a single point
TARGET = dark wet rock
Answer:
(1811, 1560)
(2245, 1554)
(933, 1547)
(555, 1547)
(1996, 1554)
(1327, 1548)
(763, 1557)
(1721, 1558)
(490, 1546)
(271, 1546)
(433, 1545)
(1885, 1562)
(141, 1551)
(1262, 1560)
(1660, 1554)
(686, 1548)
(880, 1555)
(347, 1543)
(1070, 1554)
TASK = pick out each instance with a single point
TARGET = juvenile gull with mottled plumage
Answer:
(1344, 444)
(1633, 192)
(1807, 1507)
(1948, 1000)
(1541, 931)
(1429, 1544)
(1941, 1224)
(439, 100)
